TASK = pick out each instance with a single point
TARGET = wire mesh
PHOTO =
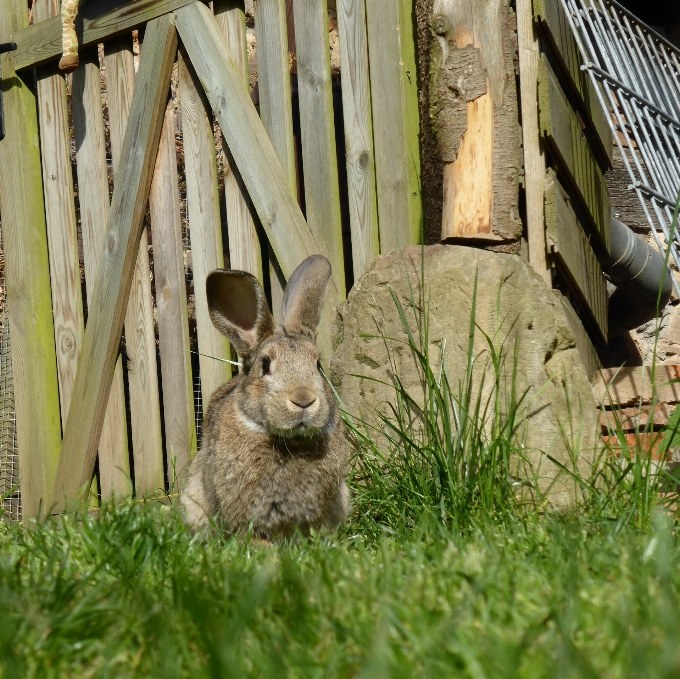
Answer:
(636, 74)
(9, 461)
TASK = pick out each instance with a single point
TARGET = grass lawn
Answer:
(132, 593)
(440, 571)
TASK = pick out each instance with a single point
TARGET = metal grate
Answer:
(9, 462)
(636, 74)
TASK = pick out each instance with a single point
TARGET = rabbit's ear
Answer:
(238, 309)
(305, 294)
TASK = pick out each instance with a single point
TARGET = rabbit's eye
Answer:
(266, 364)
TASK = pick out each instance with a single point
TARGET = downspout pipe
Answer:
(635, 271)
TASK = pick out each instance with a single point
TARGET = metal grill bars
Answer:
(636, 74)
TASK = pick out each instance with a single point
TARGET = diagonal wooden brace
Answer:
(116, 265)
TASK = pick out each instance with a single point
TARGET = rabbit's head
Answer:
(282, 391)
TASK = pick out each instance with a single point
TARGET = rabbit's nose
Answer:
(302, 399)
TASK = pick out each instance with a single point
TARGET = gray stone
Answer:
(513, 307)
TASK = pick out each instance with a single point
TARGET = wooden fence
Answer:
(65, 149)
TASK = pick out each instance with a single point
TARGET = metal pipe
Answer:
(640, 283)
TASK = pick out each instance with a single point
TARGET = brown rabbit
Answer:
(274, 454)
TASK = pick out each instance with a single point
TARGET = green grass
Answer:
(130, 593)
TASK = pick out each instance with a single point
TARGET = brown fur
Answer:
(274, 454)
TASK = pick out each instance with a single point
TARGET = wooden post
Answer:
(474, 104)
(203, 206)
(394, 98)
(171, 300)
(356, 105)
(117, 262)
(534, 161)
(93, 189)
(140, 340)
(36, 390)
(276, 108)
(244, 245)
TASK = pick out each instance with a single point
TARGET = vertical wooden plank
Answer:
(204, 224)
(275, 107)
(116, 263)
(171, 299)
(394, 98)
(93, 192)
(36, 389)
(244, 245)
(62, 235)
(534, 161)
(317, 128)
(356, 105)
(140, 342)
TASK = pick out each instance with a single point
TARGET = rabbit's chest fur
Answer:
(272, 483)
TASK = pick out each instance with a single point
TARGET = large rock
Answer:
(513, 307)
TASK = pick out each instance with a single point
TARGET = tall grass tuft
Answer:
(447, 453)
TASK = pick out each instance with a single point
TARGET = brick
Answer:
(648, 445)
(630, 419)
(632, 386)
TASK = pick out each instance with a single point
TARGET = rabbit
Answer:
(274, 453)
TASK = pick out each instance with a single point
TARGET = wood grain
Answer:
(360, 160)
(97, 21)
(394, 98)
(534, 160)
(93, 193)
(60, 215)
(317, 128)
(276, 110)
(573, 155)
(27, 277)
(205, 229)
(267, 184)
(244, 245)
(117, 262)
(140, 341)
(468, 182)
(171, 299)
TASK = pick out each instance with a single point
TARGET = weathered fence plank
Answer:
(140, 341)
(97, 22)
(394, 98)
(93, 193)
(557, 33)
(275, 108)
(60, 215)
(117, 262)
(244, 245)
(171, 300)
(249, 144)
(360, 161)
(574, 253)
(36, 390)
(534, 160)
(317, 128)
(573, 155)
(205, 229)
